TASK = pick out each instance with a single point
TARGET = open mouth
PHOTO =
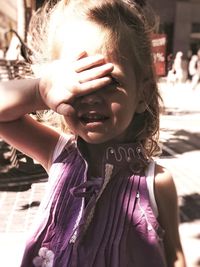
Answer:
(93, 118)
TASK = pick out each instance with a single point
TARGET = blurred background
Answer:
(176, 54)
(178, 19)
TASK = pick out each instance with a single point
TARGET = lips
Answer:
(93, 117)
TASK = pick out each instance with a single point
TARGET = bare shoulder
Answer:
(165, 189)
(163, 178)
(167, 202)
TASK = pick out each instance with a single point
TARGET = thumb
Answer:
(65, 110)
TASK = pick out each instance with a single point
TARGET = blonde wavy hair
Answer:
(123, 19)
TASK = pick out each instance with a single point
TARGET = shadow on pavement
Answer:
(20, 188)
(180, 142)
(20, 178)
(177, 111)
(189, 208)
(183, 141)
(31, 205)
(18, 171)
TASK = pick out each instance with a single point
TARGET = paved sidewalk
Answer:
(180, 134)
(187, 180)
(17, 213)
(18, 209)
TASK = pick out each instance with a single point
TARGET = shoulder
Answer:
(165, 189)
(163, 177)
(167, 201)
(65, 142)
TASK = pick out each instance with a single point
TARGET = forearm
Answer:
(19, 97)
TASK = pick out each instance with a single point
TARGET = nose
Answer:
(92, 99)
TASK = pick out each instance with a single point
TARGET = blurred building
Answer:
(8, 19)
(180, 20)
(15, 15)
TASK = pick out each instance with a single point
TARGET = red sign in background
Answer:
(159, 53)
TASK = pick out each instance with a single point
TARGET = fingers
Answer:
(86, 62)
(82, 54)
(91, 68)
(90, 73)
(95, 73)
(93, 85)
(67, 109)
(64, 81)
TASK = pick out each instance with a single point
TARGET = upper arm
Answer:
(31, 137)
(167, 201)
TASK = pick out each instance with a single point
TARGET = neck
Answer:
(95, 155)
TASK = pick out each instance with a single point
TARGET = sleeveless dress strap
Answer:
(150, 178)
(62, 141)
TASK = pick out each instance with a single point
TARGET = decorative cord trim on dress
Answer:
(108, 173)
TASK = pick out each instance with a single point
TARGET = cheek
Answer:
(122, 112)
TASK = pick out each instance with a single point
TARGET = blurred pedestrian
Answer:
(194, 70)
(179, 70)
(193, 65)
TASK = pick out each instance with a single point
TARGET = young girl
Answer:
(108, 203)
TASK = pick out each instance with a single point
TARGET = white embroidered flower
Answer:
(44, 259)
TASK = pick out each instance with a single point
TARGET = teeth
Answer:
(92, 117)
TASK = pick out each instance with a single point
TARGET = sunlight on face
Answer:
(114, 107)
(85, 36)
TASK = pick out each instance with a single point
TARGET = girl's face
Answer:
(105, 115)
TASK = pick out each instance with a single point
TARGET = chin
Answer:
(97, 138)
(94, 138)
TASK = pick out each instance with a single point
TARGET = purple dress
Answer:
(98, 222)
